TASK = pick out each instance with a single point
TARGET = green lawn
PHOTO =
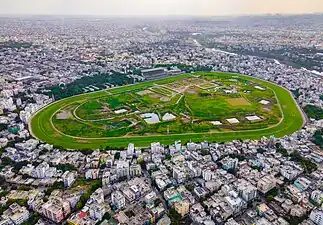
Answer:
(42, 127)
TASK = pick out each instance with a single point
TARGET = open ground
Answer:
(201, 106)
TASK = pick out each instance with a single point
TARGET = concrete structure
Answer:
(317, 216)
(266, 183)
(118, 200)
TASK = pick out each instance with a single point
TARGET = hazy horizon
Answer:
(158, 8)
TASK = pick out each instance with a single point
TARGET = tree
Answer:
(318, 138)
(282, 151)
(204, 152)
(18, 165)
(190, 187)
(168, 156)
(58, 185)
(79, 205)
(3, 127)
(24, 188)
(174, 216)
(314, 112)
(6, 161)
(261, 150)
(117, 156)
(66, 167)
(270, 198)
(142, 163)
(295, 156)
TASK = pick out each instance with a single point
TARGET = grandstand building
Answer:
(154, 73)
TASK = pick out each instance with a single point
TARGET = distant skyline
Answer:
(158, 7)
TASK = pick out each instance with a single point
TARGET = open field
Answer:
(238, 101)
(182, 107)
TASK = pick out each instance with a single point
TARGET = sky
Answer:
(159, 7)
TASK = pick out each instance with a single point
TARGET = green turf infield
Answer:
(203, 106)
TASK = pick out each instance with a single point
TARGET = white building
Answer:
(131, 149)
(207, 175)
(246, 190)
(289, 172)
(68, 178)
(118, 200)
(317, 216)
(229, 163)
(123, 169)
(155, 147)
(135, 170)
(16, 213)
(179, 175)
(97, 211)
(317, 196)
(235, 202)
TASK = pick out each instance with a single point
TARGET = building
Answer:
(289, 172)
(56, 209)
(207, 175)
(123, 169)
(317, 196)
(179, 175)
(40, 170)
(236, 203)
(68, 178)
(231, 221)
(229, 163)
(266, 184)
(97, 211)
(247, 191)
(16, 213)
(317, 216)
(182, 207)
(118, 200)
(155, 147)
(154, 73)
(135, 170)
(302, 183)
(131, 149)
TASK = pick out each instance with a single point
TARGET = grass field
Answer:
(113, 117)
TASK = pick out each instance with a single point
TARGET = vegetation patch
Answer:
(238, 101)
(114, 118)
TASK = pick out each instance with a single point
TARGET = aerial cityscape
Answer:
(202, 120)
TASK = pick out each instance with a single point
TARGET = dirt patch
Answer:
(56, 134)
(63, 115)
(155, 95)
(267, 108)
(144, 92)
(82, 141)
(164, 99)
(191, 91)
(238, 101)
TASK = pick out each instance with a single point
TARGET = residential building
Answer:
(182, 207)
(118, 200)
(317, 216)
(266, 183)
